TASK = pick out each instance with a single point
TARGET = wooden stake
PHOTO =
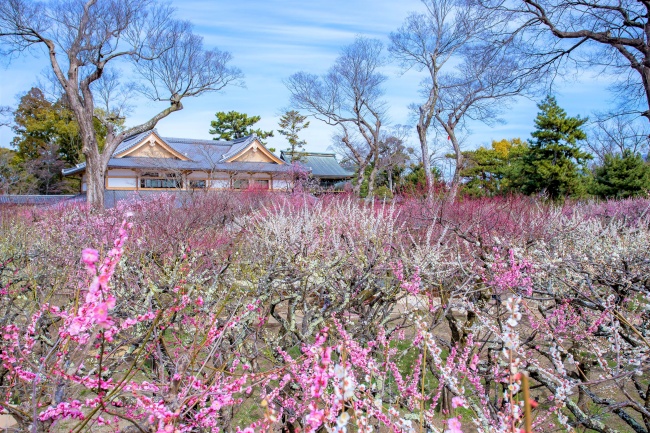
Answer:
(528, 419)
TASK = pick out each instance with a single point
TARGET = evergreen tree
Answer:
(553, 162)
(40, 123)
(233, 125)
(415, 181)
(292, 122)
(621, 176)
(487, 172)
(47, 140)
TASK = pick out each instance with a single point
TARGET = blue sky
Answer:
(272, 39)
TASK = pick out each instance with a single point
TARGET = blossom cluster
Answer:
(330, 314)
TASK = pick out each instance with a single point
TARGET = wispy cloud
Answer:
(271, 39)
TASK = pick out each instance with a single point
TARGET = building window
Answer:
(169, 181)
(262, 184)
(240, 184)
(198, 184)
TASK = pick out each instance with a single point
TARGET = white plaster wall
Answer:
(220, 183)
(197, 175)
(122, 182)
(281, 184)
(120, 172)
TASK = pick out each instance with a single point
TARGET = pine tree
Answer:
(292, 122)
(233, 125)
(621, 176)
(553, 163)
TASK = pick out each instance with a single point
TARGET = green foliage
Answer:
(233, 125)
(415, 180)
(292, 122)
(622, 176)
(553, 163)
(13, 178)
(383, 192)
(363, 190)
(488, 172)
(47, 140)
(39, 122)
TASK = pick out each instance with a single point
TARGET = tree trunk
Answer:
(95, 175)
(95, 166)
(422, 135)
(371, 181)
(455, 182)
(356, 186)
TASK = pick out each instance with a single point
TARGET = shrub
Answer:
(256, 313)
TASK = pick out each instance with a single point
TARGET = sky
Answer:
(272, 39)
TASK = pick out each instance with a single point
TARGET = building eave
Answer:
(79, 168)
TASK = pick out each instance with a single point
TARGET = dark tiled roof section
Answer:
(174, 140)
(322, 165)
(132, 141)
(73, 170)
(201, 150)
(237, 146)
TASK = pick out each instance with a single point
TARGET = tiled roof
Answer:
(203, 155)
(211, 155)
(131, 141)
(322, 165)
(238, 145)
(73, 170)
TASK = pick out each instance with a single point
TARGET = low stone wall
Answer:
(39, 200)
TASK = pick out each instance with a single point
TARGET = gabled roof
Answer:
(136, 142)
(132, 141)
(193, 154)
(252, 143)
(322, 165)
(238, 145)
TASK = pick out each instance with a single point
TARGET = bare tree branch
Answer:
(472, 69)
(349, 97)
(610, 34)
(83, 37)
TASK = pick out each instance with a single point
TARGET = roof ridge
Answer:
(310, 153)
(238, 145)
(180, 139)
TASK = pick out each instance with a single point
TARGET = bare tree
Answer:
(82, 38)
(394, 152)
(46, 170)
(471, 69)
(614, 133)
(5, 115)
(609, 34)
(349, 97)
